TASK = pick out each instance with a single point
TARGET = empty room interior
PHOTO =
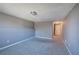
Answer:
(39, 29)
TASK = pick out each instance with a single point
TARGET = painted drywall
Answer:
(71, 34)
(43, 29)
(14, 29)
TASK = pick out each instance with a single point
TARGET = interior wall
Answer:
(43, 29)
(71, 34)
(13, 29)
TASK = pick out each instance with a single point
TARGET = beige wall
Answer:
(14, 29)
(43, 29)
(71, 33)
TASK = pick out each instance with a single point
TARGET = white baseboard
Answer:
(67, 47)
(43, 37)
(15, 43)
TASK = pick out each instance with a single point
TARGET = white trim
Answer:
(67, 47)
(15, 43)
(44, 37)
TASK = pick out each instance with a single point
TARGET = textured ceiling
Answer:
(45, 11)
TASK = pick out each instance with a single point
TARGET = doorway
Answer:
(58, 30)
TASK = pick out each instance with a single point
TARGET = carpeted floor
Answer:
(36, 46)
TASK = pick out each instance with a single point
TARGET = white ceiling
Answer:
(45, 11)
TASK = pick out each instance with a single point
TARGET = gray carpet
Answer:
(36, 46)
